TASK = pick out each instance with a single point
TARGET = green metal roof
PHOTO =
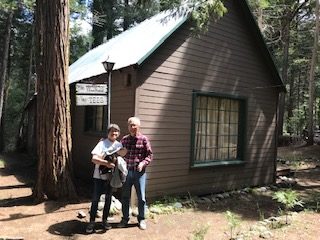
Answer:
(128, 48)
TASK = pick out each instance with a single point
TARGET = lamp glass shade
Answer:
(108, 66)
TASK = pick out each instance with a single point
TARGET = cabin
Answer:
(208, 103)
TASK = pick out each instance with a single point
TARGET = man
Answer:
(138, 157)
(103, 173)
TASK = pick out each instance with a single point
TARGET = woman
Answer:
(103, 173)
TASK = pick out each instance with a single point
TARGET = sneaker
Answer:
(90, 228)
(143, 225)
(122, 224)
(106, 225)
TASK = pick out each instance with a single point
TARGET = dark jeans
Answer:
(100, 187)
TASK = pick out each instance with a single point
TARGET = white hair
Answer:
(134, 120)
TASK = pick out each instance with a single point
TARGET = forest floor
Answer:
(21, 218)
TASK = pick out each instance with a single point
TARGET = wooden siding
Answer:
(122, 107)
(226, 60)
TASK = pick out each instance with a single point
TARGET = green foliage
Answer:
(138, 12)
(169, 4)
(233, 221)
(166, 205)
(297, 122)
(1, 163)
(7, 5)
(78, 7)
(208, 10)
(289, 199)
(263, 4)
(314, 201)
(79, 43)
(200, 232)
(14, 110)
(202, 13)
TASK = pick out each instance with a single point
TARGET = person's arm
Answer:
(148, 156)
(96, 159)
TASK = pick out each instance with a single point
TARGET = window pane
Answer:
(95, 118)
(216, 129)
(99, 118)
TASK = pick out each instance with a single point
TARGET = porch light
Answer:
(108, 66)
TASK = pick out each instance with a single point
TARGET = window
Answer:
(95, 118)
(218, 129)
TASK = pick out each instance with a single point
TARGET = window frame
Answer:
(242, 126)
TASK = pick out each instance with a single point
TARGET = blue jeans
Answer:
(138, 180)
(100, 187)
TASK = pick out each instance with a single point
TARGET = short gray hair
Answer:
(134, 120)
(114, 126)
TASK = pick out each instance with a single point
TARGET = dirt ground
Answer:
(21, 218)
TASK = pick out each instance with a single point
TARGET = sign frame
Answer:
(85, 88)
(91, 100)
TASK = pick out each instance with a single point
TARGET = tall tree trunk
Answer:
(311, 76)
(20, 144)
(126, 15)
(284, 72)
(4, 60)
(290, 103)
(55, 168)
(300, 98)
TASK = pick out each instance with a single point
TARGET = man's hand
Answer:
(140, 166)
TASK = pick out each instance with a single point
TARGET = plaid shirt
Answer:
(139, 150)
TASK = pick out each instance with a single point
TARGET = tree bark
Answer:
(126, 15)
(284, 72)
(4, 60)
(20, 144)
(55, 168)
(311, 76)
(290, 104)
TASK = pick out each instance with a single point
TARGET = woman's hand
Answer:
(109, 164)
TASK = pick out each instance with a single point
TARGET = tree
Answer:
(3, 68)
(311, 75)
(4, 55)
(202, 12)
(104, 15)
(55, 174)
(288, 28)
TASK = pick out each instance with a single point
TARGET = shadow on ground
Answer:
(74, 227)
(68, 228)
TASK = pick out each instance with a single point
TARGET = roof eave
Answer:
(162, 40)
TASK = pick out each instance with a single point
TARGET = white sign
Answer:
(83, 88)
(94, 100)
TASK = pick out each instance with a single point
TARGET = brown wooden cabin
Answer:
(207, 104)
